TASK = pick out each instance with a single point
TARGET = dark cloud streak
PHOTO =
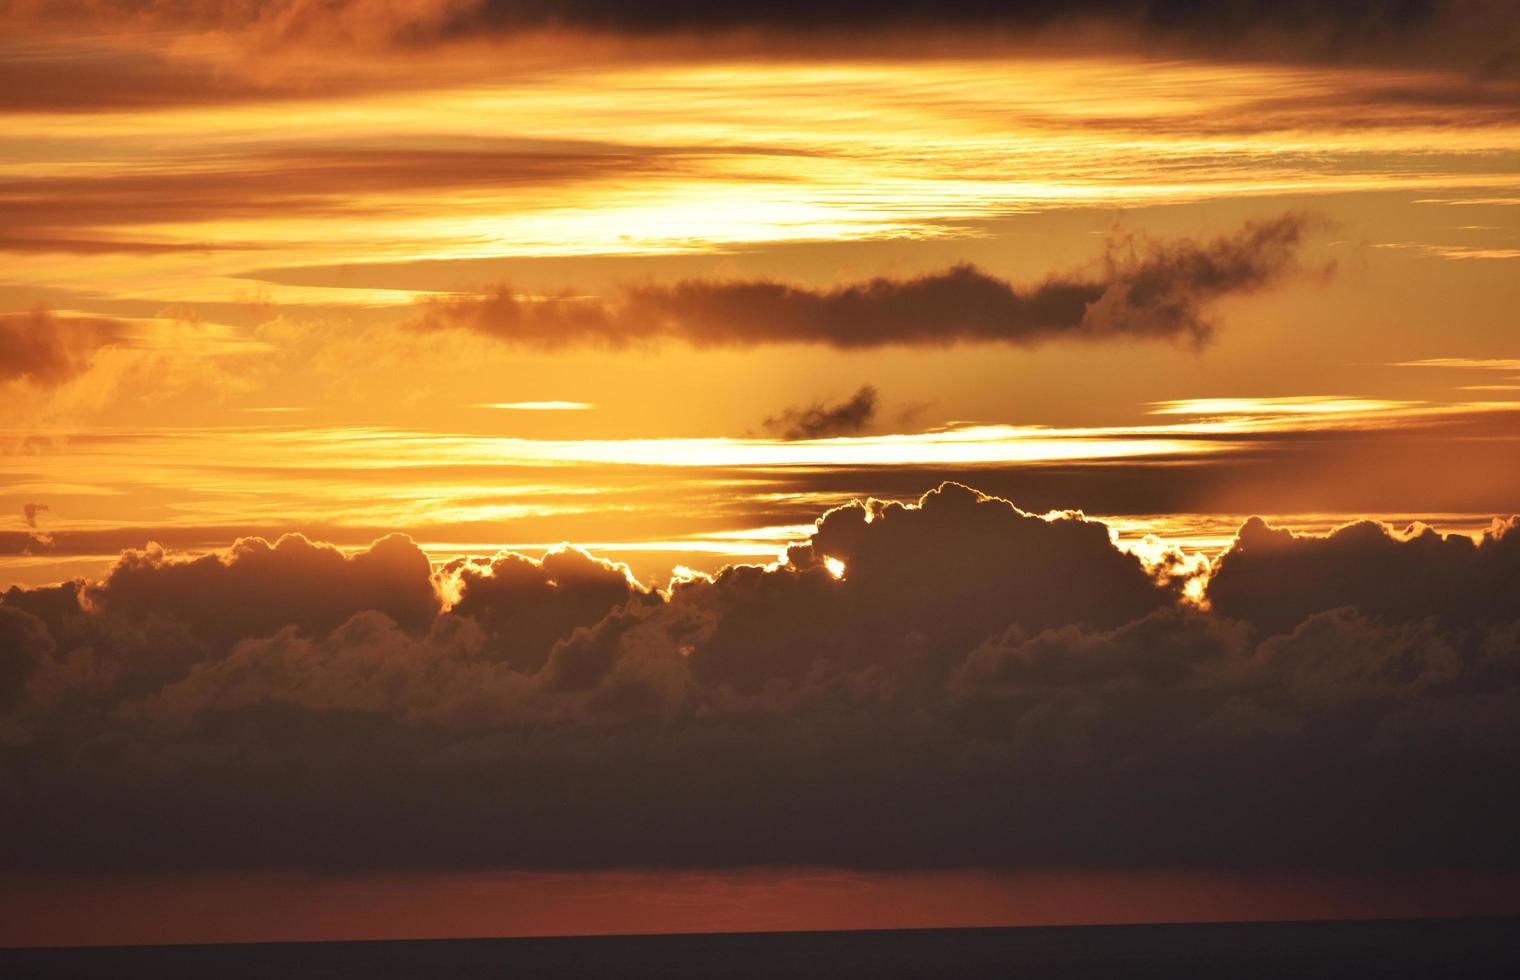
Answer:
(820, 421)
(48, 350)
(1140, 289)
(1476, 33)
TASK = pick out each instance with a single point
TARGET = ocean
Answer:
(1460, 949)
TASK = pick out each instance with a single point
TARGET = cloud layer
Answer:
(954, 682)
(1139, 290)
(1284, 28)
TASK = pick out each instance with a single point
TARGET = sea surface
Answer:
(1427, 948)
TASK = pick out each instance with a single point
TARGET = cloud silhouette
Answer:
(258, 587)
(1140, 289)
(819, 421)
(1275, 578)
(945, 683)
(47, 350)
(1475, 30)
(524, 605)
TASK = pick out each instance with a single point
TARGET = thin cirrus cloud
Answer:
(927, 675)
(187, 200)
(1141, 290)
(1510, 382)
(95, 211)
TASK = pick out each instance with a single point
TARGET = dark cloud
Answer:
(955, 682)
(525, 605)
(298, 16)
(30, 511)
(692, 14)
(47, 350)
(1140, 289)
(258, 587)
(1481, 35)
(1478, 33)
(54, 59)
(820, 421)
(24, 643)
(1274, 578)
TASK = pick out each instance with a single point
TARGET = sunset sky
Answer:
(418, 420)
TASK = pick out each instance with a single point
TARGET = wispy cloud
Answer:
(544, 406)
(1478, 363)
(820, 420)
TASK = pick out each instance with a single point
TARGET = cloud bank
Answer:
(1139, 289)
(949, 683)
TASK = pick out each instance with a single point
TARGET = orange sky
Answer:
(258, 221)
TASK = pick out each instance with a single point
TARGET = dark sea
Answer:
(1433, 948)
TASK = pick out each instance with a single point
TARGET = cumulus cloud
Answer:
(1275, 578)
(1139, 289)
(524, 605)
(954, 681)
(47, 350)
(819, 420)
(258, 587)
(24, 643)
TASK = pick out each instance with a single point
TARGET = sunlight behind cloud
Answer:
(545, 406)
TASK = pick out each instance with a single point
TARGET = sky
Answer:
(1024, 461)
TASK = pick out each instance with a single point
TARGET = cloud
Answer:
(1473, 32)
(1275, 578)
(24, 644)
(259, 587)
(524, 605)
(30, 512)
(978, 685)
(1140, 289)
(93, 213)
(850, 417)
(46, 350)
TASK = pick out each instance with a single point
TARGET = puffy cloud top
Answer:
(949, 682)
(1275, 578)
(258, 587)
